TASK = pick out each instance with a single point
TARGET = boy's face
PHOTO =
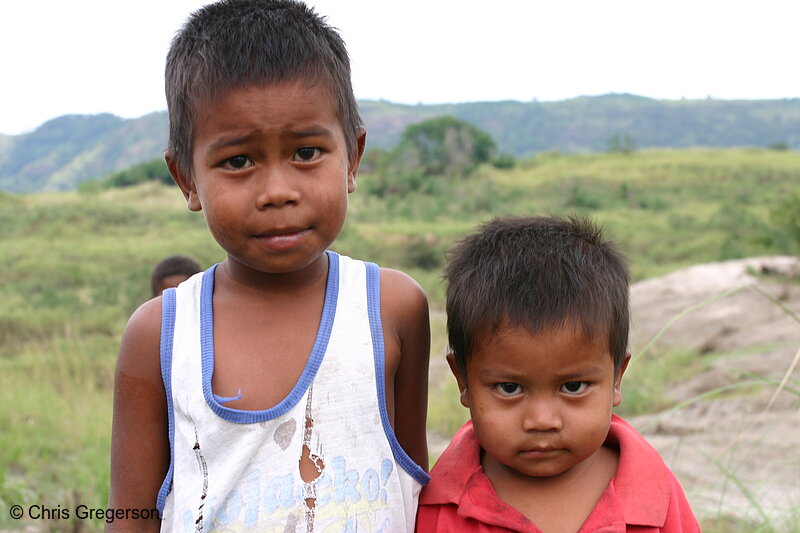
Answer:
(272, 174)
(540, 403)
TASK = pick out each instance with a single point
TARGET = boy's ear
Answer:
(186, 183)
(618, 379)
(352, 169)
(461, 380)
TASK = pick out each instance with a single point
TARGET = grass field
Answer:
(77, 264)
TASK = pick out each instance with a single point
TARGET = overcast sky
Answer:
(92, 56)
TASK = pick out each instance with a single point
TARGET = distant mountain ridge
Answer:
(68, 150)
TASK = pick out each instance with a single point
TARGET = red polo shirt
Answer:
(643, 496)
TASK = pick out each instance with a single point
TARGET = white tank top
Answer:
(236, 470)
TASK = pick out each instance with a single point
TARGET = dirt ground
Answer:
(738, 453)
(734, 456)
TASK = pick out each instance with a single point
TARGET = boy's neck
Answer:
(237, 276)
(556, 503)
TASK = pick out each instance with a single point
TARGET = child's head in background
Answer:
(537, 312)
(171, 271)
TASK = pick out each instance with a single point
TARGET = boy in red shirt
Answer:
(538, 325)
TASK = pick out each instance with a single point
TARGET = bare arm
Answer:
(139, 440)
(407, 336)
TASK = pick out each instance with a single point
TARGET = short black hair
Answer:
(172, 266)
(537, 273)
(239, 43)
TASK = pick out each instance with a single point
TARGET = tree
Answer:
(621, 144)
(429, 153)
(786, 215)
(155, 170)
(443, 146)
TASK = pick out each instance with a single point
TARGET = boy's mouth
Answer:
(282, 238)
(538, 452)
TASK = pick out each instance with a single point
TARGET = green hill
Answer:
(68, 150)
(587, 123)
(71, 149)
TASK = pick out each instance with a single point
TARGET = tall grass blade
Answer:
(743, 488)
(688, 310)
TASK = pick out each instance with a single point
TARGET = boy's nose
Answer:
(276, 189)
(541, 415)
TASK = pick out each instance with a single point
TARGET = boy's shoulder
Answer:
(139, 355)
(398, 284)
(145, 322)
(403, 302)
(647, 491)
(399, 292)
(634, 450)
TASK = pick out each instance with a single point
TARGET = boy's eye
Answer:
(508, 388)
(238, 162)
(306, 154)
(574, 387)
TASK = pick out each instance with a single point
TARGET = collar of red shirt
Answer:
(641, 484)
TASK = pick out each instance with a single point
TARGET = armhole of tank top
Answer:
(168, 307)
(376, 329)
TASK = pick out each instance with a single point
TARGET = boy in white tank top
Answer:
(284, 389)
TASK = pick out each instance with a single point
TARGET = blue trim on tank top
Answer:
(376, 328)
(165, 350)
(241, 416)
